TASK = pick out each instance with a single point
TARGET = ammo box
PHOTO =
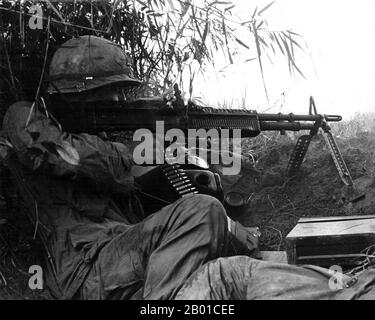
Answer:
(328, 241)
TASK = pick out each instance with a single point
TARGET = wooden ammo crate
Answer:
(327, 241)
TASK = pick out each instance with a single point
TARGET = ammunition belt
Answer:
(178, 180)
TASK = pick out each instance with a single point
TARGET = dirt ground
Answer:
(276, 203)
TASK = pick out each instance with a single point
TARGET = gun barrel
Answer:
(287, 126)
(297, 117)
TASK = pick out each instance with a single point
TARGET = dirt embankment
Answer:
(277, 201)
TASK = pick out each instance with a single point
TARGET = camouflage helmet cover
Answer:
(89, 62)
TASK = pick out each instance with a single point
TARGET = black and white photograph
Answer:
(196, 152)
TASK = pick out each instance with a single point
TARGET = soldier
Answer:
(81, 192)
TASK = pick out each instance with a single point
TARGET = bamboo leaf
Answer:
(299, 71)
(229, 8)
(287, 49)
(254, 13)
(218, 2)
(226, 41)
(286, 34)
(279, 44)
(265, 8)
(241, 43)
(262, 41)
(273, 48)
(294, 33)
(259, 53)
(251, 59)
(291, 59)
(205, 32)
(288, 55)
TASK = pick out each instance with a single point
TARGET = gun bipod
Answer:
(303, 143)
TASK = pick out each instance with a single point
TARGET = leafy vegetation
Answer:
(169, 41)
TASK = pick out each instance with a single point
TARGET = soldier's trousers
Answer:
(244, 278)
(154, 258)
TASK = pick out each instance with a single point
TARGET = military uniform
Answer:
(71, 183)
(244, 278)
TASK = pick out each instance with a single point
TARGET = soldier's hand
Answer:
(247, 237)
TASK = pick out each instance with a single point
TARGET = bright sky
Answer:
(341, 38)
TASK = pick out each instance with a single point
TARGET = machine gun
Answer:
(145, 112)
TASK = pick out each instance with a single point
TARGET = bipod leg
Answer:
(337, 158)
(298, 154)
(303, 143)
(340, 164)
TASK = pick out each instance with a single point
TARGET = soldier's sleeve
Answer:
(42, 146)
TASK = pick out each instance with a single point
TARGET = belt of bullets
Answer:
(179, 180)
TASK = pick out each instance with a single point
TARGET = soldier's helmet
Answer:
(89, 62)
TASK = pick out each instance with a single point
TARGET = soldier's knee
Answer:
(208, 220)
(208, 207)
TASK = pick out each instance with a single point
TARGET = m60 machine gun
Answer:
(185, 180)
